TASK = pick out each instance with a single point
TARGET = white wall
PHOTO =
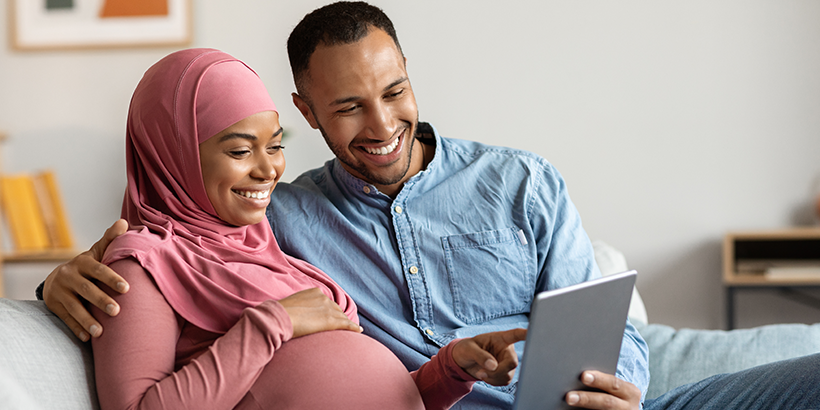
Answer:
(672, 122)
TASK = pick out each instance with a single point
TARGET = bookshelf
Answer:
(785, 259)
(58, 246)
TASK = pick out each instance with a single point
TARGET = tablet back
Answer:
(572, 329)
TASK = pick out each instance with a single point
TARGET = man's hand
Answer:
(618, 394)
(490, 357)
(311, 311)
(74, 279)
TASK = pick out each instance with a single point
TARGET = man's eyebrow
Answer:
(346, 100)
(395, 83)
(250, 137)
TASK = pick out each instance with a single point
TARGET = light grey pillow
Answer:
(48, 364)
(611, 261)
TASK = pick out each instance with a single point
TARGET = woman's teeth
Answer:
(253, 194)
(383, 150)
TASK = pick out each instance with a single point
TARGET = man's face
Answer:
(359, 96)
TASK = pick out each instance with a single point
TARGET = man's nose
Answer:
(382, 123)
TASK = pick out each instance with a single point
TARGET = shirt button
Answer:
(366, 189)
(398, 209)
(414, 270)
(429, 332)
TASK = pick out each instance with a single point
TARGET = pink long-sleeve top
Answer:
(150, 358)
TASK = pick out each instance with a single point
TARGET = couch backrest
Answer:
(46, 365)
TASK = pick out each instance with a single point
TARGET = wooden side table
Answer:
(785, 260)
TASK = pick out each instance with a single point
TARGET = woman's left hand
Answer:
(490, 357)
(311, 311)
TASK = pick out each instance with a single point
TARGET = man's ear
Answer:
(304, 108)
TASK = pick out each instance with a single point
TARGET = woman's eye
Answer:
(239, 153)
(276, 148)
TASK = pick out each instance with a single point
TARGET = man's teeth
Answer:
(383, 150)
(254, 194)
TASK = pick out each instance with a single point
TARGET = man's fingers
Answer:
(482, 358)
(71, 323)
(80, 315)
(102, 273)
(617, 394)
(90, 262)
(117, 229)
(610, 384)
(592, 400)
(515, 335)
(89, 291)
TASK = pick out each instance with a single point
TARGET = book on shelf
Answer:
(34, 213)
(51, 206)
(793, 272)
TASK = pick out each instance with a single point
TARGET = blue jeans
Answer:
(789, 384)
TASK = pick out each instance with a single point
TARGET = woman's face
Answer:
(240, 167)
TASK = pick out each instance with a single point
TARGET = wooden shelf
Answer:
(54, 255)
(785, 246)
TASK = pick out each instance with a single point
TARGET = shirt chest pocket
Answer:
(488, 274)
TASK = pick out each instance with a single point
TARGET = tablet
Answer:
(572, 329)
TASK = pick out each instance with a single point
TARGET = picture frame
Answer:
(79, 24)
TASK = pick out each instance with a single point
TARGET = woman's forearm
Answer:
(135, 358)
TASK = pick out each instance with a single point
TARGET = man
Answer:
(434, 238)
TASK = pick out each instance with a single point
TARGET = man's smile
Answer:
(383, 150)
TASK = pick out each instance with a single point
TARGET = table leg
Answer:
(730, 307)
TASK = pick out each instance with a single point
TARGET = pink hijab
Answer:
(208, 271)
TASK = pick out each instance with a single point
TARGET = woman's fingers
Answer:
(311, 311)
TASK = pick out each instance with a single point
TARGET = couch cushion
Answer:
(678, 357)
(48, 364)
(611, 261)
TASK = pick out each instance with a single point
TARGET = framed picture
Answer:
(57, 24)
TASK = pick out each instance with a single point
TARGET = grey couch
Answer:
(43, 366)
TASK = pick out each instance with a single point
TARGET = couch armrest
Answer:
(50, 366)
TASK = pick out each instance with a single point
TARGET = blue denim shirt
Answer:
(461, 250)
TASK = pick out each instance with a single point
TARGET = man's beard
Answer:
(376, 179)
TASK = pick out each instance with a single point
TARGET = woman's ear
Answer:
(304, 108)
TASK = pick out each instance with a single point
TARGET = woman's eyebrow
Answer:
(250, 137)
(235, 135)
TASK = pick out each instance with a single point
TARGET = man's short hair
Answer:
(343, 22)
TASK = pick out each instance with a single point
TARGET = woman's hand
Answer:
(311, 311)
(490, 357)
(76, 279)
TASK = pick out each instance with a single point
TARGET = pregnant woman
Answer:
(218, 317)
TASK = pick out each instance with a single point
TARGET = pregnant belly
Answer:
(338, 370)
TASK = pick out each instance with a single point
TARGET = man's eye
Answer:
(396, 94)
(347, 110)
